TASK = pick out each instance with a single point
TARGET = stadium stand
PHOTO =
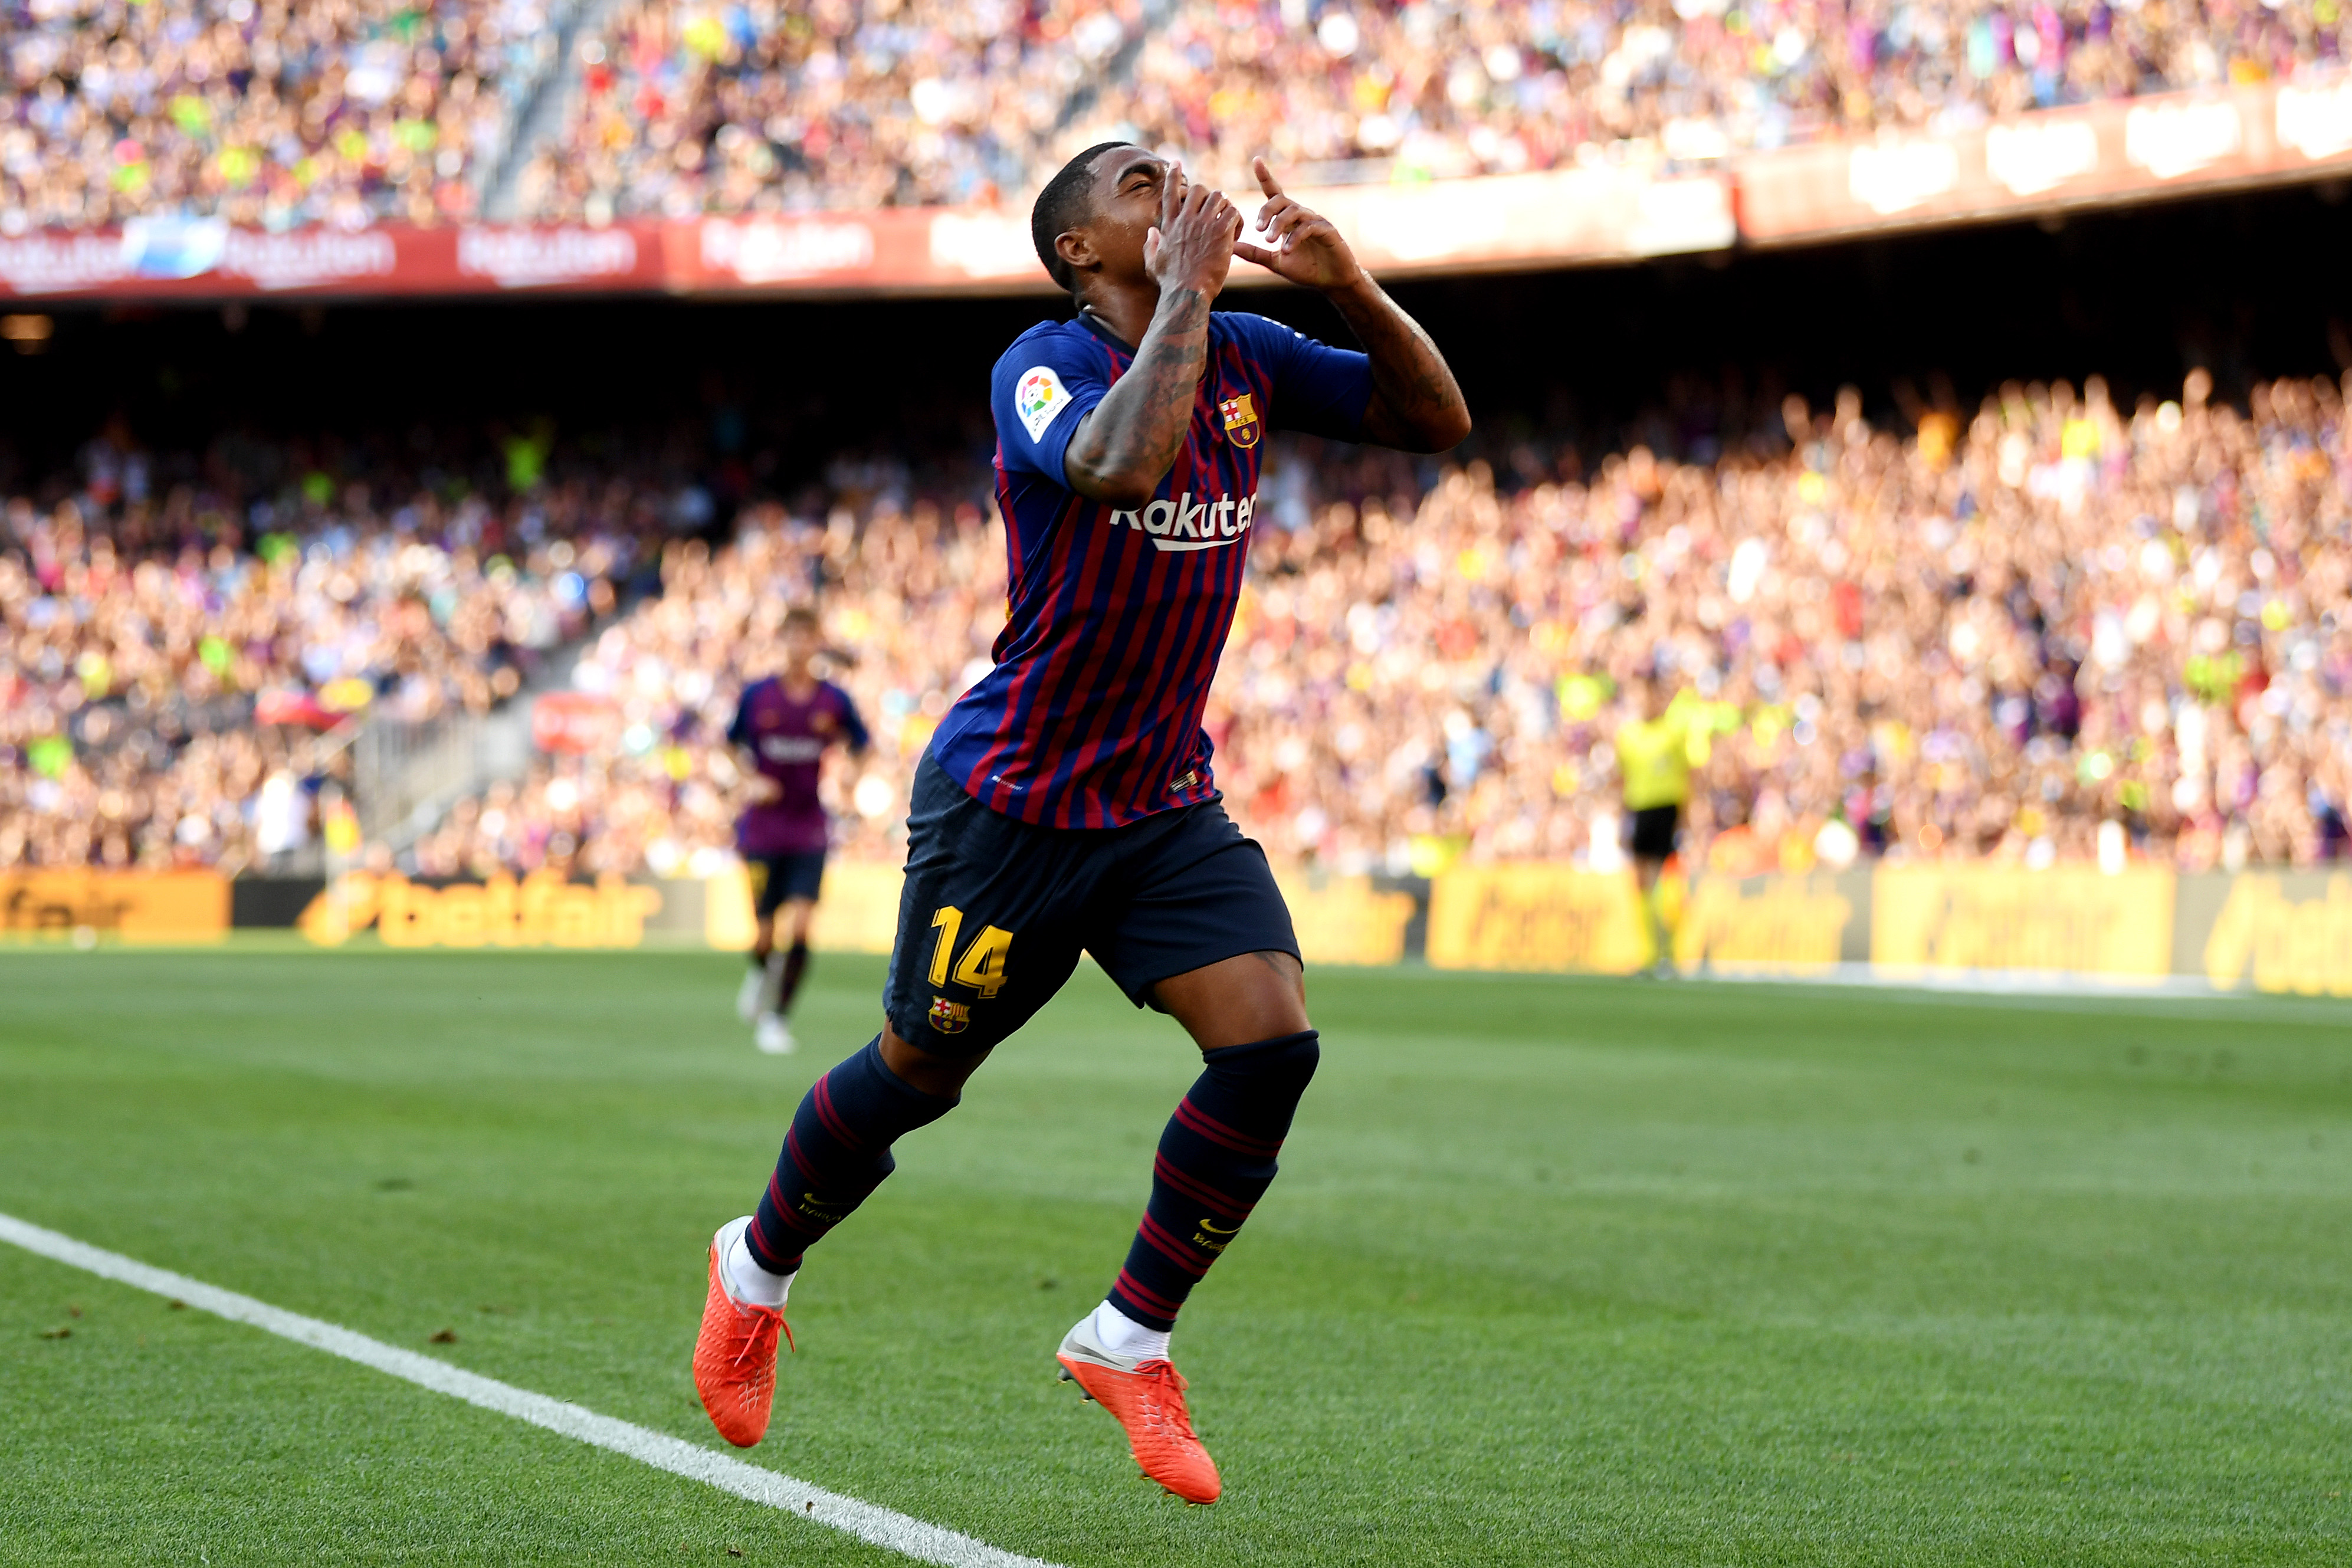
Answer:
(265, 113)
(685, 108)
(273, 116)
(1981, 640)
(172, 634)
(1435, 91)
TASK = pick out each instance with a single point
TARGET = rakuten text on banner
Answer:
(1561, 217)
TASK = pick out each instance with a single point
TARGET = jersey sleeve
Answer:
(853, 727)
(739, 730)
(1043, 386)
(1318, 390)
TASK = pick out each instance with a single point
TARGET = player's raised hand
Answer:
(1302, 246)
(1191, 245)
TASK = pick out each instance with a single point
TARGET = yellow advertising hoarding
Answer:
(1764, 925)
(1535, 917)
(133, 906)
(858, 911)
(2281, 942)
(543, 909)
(1346, 919)
(2075, 919)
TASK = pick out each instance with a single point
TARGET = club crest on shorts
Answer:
(948, 1017)
(1241, 419)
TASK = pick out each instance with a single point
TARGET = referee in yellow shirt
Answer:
(1654, 753)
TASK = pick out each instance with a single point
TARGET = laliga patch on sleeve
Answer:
(1039, 397)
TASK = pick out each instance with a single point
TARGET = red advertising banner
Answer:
(2095, 155)
(576, 721)
(1567, 216)
(203, 258)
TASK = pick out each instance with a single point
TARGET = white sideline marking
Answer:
(881, 1526)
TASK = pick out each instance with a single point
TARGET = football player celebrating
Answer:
(1066, 802)
(781, 728)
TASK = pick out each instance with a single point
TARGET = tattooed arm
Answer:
(1128, 441)
(1415, 406)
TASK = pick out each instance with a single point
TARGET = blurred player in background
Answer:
(1066, 803)
(1657, 747)
(781, 728)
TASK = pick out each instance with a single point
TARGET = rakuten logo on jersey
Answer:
(1186, 524)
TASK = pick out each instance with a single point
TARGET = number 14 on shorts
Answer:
(982, 967)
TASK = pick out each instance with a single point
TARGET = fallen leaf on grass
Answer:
(444, 1337)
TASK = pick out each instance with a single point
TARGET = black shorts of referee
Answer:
(1654, 831)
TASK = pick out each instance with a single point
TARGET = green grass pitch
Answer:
(1557, 1272)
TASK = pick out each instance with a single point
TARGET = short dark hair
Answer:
(1065, 203)
(801, 616)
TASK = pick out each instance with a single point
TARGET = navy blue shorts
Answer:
(995, 911)
(775, 878)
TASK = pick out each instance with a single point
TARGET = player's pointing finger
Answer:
(1266, 180)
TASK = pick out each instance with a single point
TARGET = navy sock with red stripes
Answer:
(1215, 1161)
(788, 985)
(837, 1152)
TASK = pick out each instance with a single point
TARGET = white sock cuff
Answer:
(746, 1281)
(1122, 1335)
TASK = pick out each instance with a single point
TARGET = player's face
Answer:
(1127, 205)
(800, 645)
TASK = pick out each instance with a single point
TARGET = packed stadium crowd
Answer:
(684, 109)
(175, 635)
(1432, 90)
(1985, 637)
(262, 112)
(280, 114)
(1983, 640)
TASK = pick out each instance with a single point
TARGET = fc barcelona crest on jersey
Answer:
(1241, 419)
(949, 1017)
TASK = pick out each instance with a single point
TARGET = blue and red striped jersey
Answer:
(788, 736)
(1091, 717)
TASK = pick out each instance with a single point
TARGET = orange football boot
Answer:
(1148, 1398)
(735, 1356)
